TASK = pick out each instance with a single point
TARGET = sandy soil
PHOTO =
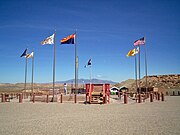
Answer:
(157, 118)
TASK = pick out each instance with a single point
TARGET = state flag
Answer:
(30, 55)
(48, 40)
(69, 39)
(24, 53)
(89, 63)
(131, 53)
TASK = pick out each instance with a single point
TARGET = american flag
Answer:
(140, 41)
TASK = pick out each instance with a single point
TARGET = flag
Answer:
(89, 63)
(133, 52)
(69, 39)
(30, 55)
(24, 53)
(48, 40)
(140, 41)
(137, 50)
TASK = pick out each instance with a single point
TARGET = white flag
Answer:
(48, 40)
(30, 55)
(137, 50)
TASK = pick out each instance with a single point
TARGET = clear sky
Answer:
(106, 30)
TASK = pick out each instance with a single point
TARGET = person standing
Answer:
(65, 88)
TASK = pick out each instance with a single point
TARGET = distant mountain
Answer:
(84, 81)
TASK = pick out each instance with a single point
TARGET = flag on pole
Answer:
(140, 41)
(48, 40)
(24, 53)
(133, 52)
(69, 39)
(137, 50)
(89, 63)
(30, 55)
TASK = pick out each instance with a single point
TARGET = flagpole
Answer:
(54, 65)
(136, 72)
(32, 82)
(139, 72)
(90, 73)
(25, 73)
(146, 66)
(75, 63)
(77, 60)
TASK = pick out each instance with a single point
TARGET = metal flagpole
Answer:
(91, 72)
(146, 65)
(32, 83)
(77, 60)
(139, 71)
(25, 73)
(90, 68)
(75, 63)
(54, 65)
(136, 72)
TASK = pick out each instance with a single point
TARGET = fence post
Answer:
(139, 98)
(20, 97)
(3, 97)
(125, 98)
(61, 98)
(47, 99)
(162, 96)
(86, 98)
(151, 97)
(158, 94)
(33, 97)
(75, 100)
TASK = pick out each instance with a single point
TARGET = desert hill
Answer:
(157, 81)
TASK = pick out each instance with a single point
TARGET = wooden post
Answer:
(3, 97)
(86, 99)
(47, 99)
(151, 97)
(75, 100)
(158, 96)
(125, 99)
(33, 97)
(20, 97)
(61, 98)
(139, 98)
(162, 96)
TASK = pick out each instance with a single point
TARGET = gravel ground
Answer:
(157, 118)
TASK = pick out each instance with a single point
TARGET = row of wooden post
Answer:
(20, 96)
(3, 97)
(140, 97)
(61, 98)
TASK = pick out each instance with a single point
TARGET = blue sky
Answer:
(106, 30)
